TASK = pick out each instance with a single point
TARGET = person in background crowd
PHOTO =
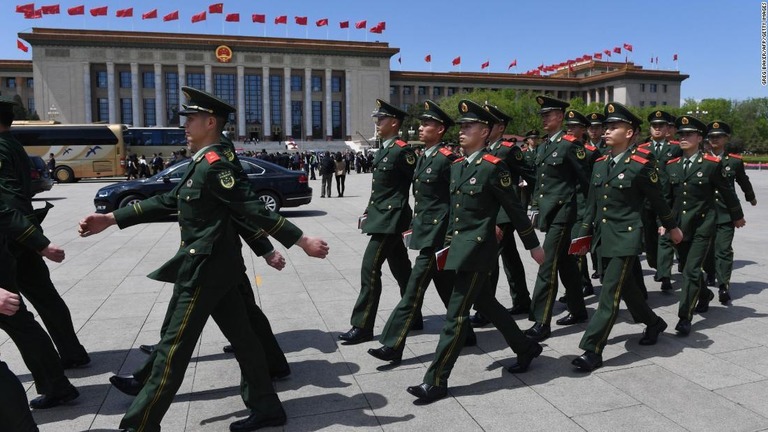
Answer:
(51, 165)
(327, 168)
(340, 173)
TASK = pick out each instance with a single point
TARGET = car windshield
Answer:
(174, 172)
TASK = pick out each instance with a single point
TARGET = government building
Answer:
(283, 88)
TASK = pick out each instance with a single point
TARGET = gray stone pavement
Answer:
(715, 379)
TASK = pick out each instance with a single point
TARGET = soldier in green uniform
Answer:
(560, 175)
(693, 180)
(430, 222)
(529, 157)
(480, 184)
(595, 132)
(720, 257)
(206, 269)
(388, 214)
(621, 181)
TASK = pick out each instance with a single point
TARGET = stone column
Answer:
(111, 92)
(267, 115)
(288, 128)
(308, 102)
(138, 109)
(208, 78)
(182, 83)
(241, 100)
(347, 107)
(159, 96)
(328, 126)
(88, 106)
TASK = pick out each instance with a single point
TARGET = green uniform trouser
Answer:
(556, 259)
(14, 412)
(35, 285)
(618, 283)
(665, 258)
(469, 288)
(651, 238)
(381, 247)
(692, 253)
(513, 269)
(188, 315)
(719, 260)
(407, 310)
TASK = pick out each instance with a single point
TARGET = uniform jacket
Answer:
(211, 193)
(561, 168)
(388, 209)
(515, 160)
(431, 199)
(733, 169)
(615, 202)
(692, 195)
(477, 192)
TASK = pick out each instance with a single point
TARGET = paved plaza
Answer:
(716, 379)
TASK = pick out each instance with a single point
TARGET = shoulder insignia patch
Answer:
(212, 157)
(643, 150)
(671, 161)
(410, 158)
(711, 158)
(735, 155)
(445, 152)
(461, 159)
(601, 158)
(570, 138)
(505, 179)
(519, 155)
(227, 179)
(401, 143)
(654, 177)
(507, 144)
(637, 158)
(580, 153)
(590, 147)
(491, 158)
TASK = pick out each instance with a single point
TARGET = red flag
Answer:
(233, 17)
(344, 24)
(607, 52)
(485, 65)
(173, 16)
(300, 20)
(216, 8)
(456, 61)
(77, 10)
(259, 18)
(36, 14)
(382, 25)
(598, 56)
(377, 28)
(570, 68)
(199, 17)
(124, 13)
(50, 10)
(541, 67)
(282, 19)
(99, 11)
(149, 15)
(322, 22)
(674, 57)
(25, 8)
(617, 50)
(20, 45)
(361, 24)
(512, 64)
(628, 47)
(428, 58)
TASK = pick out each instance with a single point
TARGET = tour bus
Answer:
(80, 150)
(149, 140)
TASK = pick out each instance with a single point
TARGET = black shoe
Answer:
(679, 268)
(524, 360)
(54, 399)
(356, 335)
(595, 275)
(571, 319)
(75, 363)
(711, 279)
(666, 284)
(588, 361)
(280, 374)
(417, 325)
(478, 320)
(386, 353)
(147, 348)
(228, 349)
(705, 297)
(562, 300)
(428, 393)
(519, 309)
(589, 290)
(652, 332)
(683, 327)
(723, 296)
(471, 340)
(126, 384)
(256, 421)
(538, 332)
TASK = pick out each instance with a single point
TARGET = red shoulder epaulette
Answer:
(645, 144)
(507, 144)
(445, 152)
(640, 159)
(735, 155)
(671, 161)
(601, 158)
(401, 143)
(590, 147)
(570, 138)
(459, 159)
(711, 158)
(491, 158)
(643, 150)
(212, 157)
(675, 142)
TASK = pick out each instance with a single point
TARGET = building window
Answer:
(392, 90)
(642, 103)
(653, 103)
(450, 91)
(30, 83)
(149, 112)
(103, 114)
(664, 102)
(407, 90)
(297, 108)
(336, 119)
(225, 88)
(276, 103)
(336, 84)
(31, 104)
(10, 82)
(125, 79)
(296, 83)
(642, 87)
(422, 90)
(406, 107)
(317, 83)
(126, 111)
(664, 88)
(437, 91)
(253, 99)
(172, 98)
(101, 79)
(652, 88)
(148, 80)
(196, 80)
(317, 119)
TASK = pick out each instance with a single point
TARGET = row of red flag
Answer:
(30, 12)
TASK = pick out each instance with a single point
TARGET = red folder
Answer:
(578, 244)
(440, 257)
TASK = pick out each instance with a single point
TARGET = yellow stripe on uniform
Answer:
(422, 286)
(278, 225)
(25, 235)
(615, 305)
(373, 277)
(459, 322)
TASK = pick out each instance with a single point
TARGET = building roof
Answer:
(16, 65)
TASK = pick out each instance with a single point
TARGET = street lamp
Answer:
(698, 113)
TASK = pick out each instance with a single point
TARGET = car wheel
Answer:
(271, 201)
(129, 200)
(64, 175)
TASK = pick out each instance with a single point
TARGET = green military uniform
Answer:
(529, 158)
(719, 260)
(430, 222)
(480, 185)
(619, 185)
(692, 185)
(205, 271)
(388, 215)
(561, 175)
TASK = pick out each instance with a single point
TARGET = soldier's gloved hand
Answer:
(537, 254)
(739, 223)
(9, 302)
(313, 246)
(676, 235)
(53, 253)
(275, 260)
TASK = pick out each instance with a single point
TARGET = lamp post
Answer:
(698, 113)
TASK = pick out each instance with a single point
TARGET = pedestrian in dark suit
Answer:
(327, 168)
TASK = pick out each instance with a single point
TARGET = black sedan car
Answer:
(276, 186)
(41, 180)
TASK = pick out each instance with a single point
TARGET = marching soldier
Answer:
(388, 214)
(720, 257)
(694, 179)
(621, 181)
(560, 175)
(480, 183)
(529, 157)
(595, 131)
